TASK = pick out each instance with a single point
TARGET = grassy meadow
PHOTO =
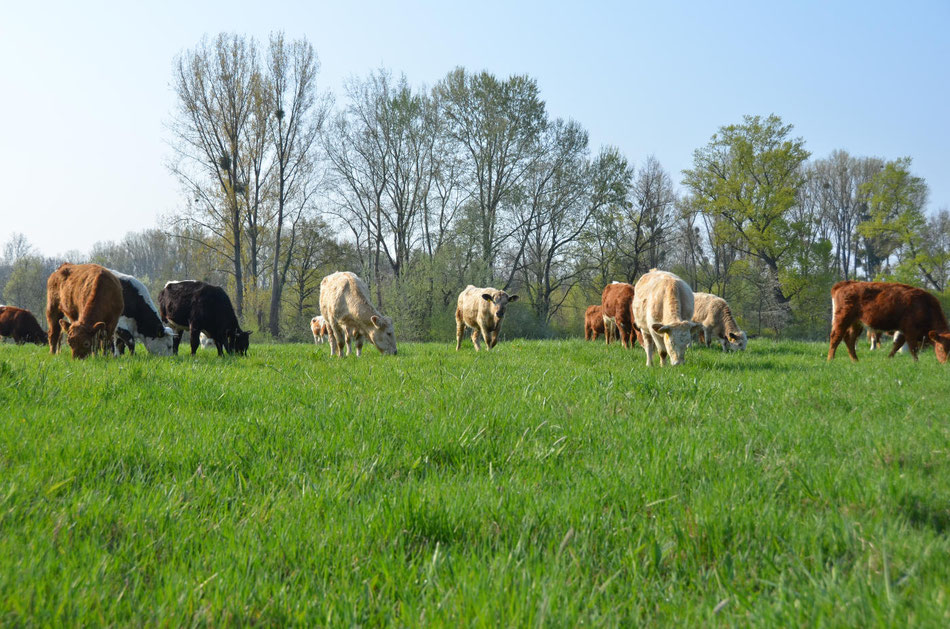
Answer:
(548, 483)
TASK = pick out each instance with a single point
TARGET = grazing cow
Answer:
(717, 322)
(615, 301)
(140, 319)
(90, 297)
(351, 316)
(483, 310)
(594, 323)
(663, 309)
(200, 307)
(914, 312)
(21, 326)
(318, 326)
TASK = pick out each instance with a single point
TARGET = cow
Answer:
(912, 311)
(140, 319)
(615, 301)
(594, 323)
(351, 317)
(876, 340)
(201, 307)
(318, 326)
(663, 310)
(20, 325)
(482, 310)
(85, 302)
(717, 322)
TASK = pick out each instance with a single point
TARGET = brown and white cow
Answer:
(318, 326)
(887, 306)
(20, 325)
(350, 315)
(663, 310)
(615, 300)
(483, 310)
(90, 297)
(717, 322)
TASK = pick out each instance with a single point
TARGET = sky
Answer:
(85, 87)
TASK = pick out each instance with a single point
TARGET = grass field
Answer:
(548, 483)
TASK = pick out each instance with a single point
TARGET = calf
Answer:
(663, 309)
(594, 323)
(21, 326)
(201, 307)
(90, 297)
(318, 326)
(914, 312)
(351, 316)
(717, 322)
(616, 299)
(482, 310)
(140, 319)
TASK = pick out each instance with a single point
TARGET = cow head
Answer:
(676, 338)
(241, 341)
(736, 342)
(82, 339)
(382, 334)
(941, 341)
(161, 345)
(499, 302)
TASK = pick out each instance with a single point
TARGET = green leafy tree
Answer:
(748, 177)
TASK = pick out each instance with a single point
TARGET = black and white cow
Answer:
(140, 319)
(201, 307)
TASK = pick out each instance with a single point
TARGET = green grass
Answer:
(547, 483)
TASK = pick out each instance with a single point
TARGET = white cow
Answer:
(717, 322)
(662, 308)
(483, 310)
(345, 305)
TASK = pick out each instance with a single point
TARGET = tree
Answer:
(748, 176)
(498, 126)
(294, 128)
(895, 220)
(216, 84)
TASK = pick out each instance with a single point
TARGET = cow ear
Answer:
(659, 327)
(933, 335)
(486, 297)
(375, 320)
(63, 323)
(513, 298)
(99, 327)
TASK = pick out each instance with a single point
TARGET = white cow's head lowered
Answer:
(676, 337)
(382, 334)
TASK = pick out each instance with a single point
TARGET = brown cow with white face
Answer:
(483, 310)
(90, 297)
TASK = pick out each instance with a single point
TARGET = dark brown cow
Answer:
(616, 300)
(91, 298)
(21, 326)
(887, 306)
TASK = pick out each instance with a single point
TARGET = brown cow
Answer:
(91, 298)
(887, 306)
(21, 326)
(615, 301)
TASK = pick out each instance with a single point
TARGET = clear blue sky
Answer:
(85, 85)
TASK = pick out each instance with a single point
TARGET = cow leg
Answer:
(837, 333)
(898, 342)
(52, 320)
(648, 346)
(914, 344)
(850, 337)
(487, 335)
(196, 340)
(475, 339)
(359, 346)
(459, 331)
(336, 341)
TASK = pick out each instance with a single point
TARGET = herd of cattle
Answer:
(101, 310)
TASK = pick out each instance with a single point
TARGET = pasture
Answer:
(547, 483)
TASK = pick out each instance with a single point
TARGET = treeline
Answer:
(423, 191)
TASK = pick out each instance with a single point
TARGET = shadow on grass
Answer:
(926, 511)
